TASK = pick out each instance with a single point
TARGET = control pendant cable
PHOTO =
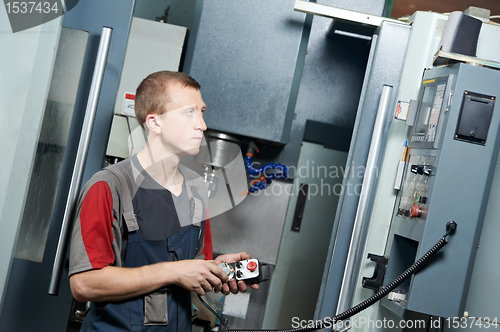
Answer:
(329, 322)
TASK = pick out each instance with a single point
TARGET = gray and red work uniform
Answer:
(161, 227)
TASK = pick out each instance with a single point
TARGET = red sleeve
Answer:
(96, 219)
(207, 241)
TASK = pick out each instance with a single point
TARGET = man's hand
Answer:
(200, 276)
(232, 286)
(113, 283)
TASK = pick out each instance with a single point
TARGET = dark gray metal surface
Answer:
(244, 57)
(326, 82)
(332, 77)
(330, 136)
(28, 306)
(180, 12)
(385, 65)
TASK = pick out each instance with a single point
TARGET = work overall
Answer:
(167, 309)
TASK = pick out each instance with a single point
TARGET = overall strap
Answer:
(195, 205)
(128, 208)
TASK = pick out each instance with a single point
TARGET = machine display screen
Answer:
(429, 112)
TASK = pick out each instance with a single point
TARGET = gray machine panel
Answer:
(457, 189)
(244, 57)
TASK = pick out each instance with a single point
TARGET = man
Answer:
(137, 266)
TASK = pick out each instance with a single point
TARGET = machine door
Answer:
(29, 250)
(25, 293)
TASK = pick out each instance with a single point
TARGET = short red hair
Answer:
(152, 94)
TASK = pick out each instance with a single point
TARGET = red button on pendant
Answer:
(251, 266)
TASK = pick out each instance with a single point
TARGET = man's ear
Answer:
(152, 123)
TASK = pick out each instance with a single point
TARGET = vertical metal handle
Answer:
(299, 208)
(364, 197)
(81, 157)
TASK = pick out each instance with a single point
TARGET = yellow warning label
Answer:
(429, 81)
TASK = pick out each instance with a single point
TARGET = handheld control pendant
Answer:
(248, 270)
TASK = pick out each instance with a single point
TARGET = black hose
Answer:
(413, 269)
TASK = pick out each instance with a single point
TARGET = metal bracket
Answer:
(377, 280)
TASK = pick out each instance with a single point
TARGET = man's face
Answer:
(182, 124)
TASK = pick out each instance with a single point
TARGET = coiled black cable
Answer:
(329, 322)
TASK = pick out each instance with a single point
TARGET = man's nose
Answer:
(201, 123)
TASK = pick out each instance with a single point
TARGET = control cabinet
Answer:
(452, 150)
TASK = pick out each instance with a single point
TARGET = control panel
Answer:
(452, 151)
(415, 190)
